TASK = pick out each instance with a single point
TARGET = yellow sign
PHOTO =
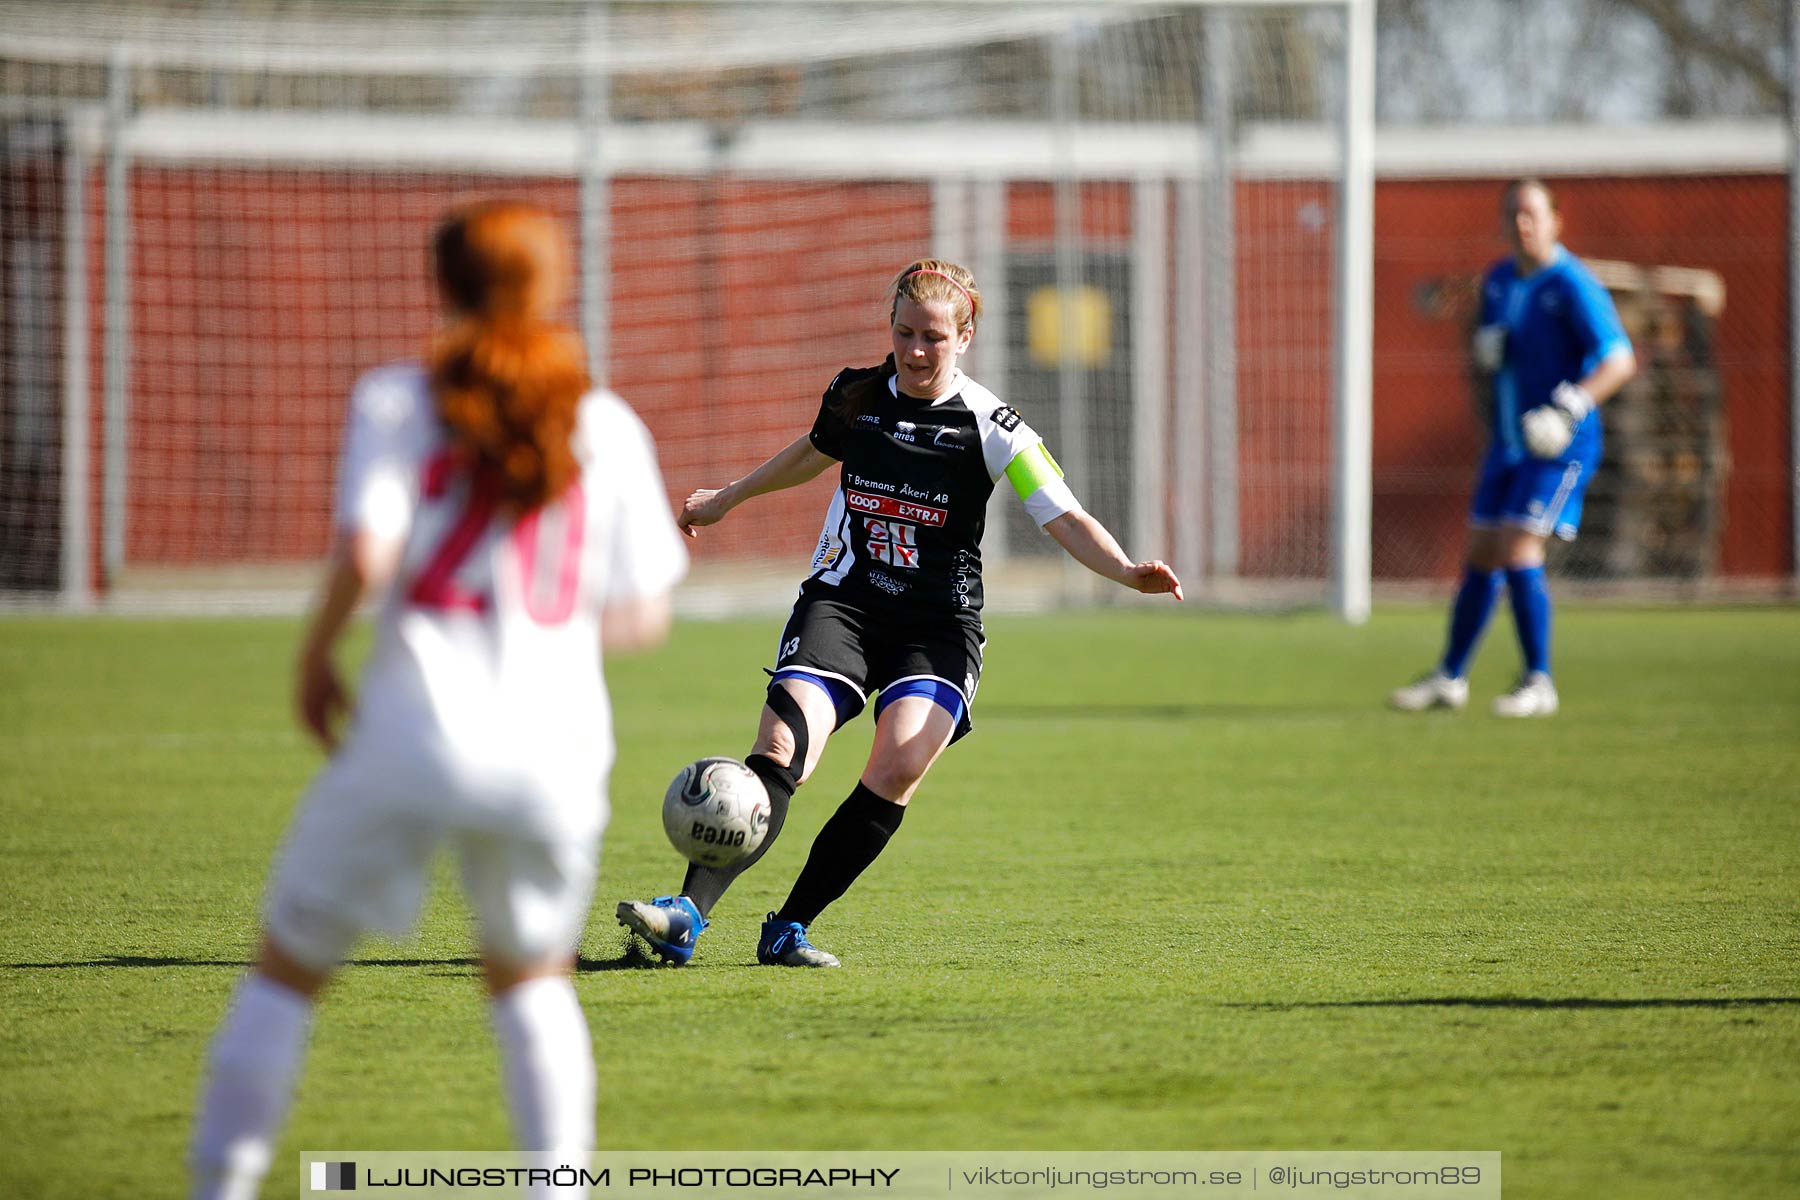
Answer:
(1085, 313)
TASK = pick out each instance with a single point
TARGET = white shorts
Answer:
(357, 860)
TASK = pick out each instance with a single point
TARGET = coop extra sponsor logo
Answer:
(892, 506)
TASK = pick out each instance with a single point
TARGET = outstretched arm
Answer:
(795, 464)
(1089, 544)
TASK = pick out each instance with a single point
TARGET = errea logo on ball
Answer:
(334, 1177)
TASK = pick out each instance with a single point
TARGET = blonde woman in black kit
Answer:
(891, 612)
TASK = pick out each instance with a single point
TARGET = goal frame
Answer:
(115, 136)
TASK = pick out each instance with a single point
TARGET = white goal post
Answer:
(1168, 205)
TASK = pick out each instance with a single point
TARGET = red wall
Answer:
(1286, 259)
(1425, 439)
(258, 296)
(724, 343)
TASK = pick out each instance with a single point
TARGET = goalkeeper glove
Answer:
(1549, 428)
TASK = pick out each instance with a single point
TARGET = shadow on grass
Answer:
(1527, 1002)
(633, 956)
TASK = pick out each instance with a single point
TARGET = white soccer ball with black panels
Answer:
(716, 812)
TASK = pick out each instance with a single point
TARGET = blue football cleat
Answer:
(671, 924)
(784, 944)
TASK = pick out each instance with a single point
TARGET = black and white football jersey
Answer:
(904, 528)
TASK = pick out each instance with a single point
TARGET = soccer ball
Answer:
(716, 812)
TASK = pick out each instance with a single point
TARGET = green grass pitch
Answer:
(1188, 887)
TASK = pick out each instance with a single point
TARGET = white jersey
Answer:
(484, 690)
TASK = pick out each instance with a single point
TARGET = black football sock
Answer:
(852, 839)
(705, 885)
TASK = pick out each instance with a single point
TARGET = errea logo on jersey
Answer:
(905, 431)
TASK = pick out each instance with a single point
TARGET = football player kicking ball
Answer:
(892, 610)
(519, 521)
(1551, 340)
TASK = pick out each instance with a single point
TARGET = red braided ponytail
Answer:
(507, 380)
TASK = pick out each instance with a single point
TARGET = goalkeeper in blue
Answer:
(1551, 342)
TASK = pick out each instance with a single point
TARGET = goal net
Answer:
(215, 218)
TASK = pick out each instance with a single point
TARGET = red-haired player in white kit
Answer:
(519, 522)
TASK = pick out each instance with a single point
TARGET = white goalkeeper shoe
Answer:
(1533, 696)
(1436, 690)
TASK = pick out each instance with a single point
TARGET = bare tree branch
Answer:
(1686, 33)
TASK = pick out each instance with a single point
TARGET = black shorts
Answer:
(856, 652)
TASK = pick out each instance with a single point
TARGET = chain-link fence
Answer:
(217, 218)
(213, 218)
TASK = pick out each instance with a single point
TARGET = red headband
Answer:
(959, 287)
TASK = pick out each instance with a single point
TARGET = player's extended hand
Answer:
(705, 507)
(322, 699)
(1549, 428)
(1154, 578)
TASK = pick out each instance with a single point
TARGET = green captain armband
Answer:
(1031, 469)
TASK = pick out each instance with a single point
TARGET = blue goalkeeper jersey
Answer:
(1560, 323)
